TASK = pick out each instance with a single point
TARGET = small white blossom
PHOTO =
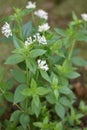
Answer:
(43, 27)
(28, 41)
(42, 14)
(42, 64)
(42, 40)
(31, 5)
(84, 16)
(36, 37)
(6, 30)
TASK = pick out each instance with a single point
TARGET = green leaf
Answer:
(14, 59)
(46, 120)
(54, 80)
(27, 92)
(79, 61)
(74, 16)
(45, 75)
(32, 90)
(19, 128)
(24, 120)
(15, 116)
(43, 91)
(60, 31)
(58, 126)
(38, 124)
(9, 84)
(36, 100)
(51, 98)
(60, 110)
(17, 42)
(31, 64)
(65, 101)
(65, 90)
(18, 97)
(72, 75)
(9, 96)
(36, 105)
(25, 12)
(8, 18)
(81, 37)
(33, 84)
(19, 75)
(56, 93)
(37, 52)
(27, 29)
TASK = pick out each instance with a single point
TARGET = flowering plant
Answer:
(43, 98)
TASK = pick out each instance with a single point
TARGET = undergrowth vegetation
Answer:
(46, 61)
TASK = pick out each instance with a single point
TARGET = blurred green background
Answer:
(60, 13)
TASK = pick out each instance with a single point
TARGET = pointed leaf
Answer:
(72, 75)
(14, 59)
(18, 97)
(45, 75)
(60, 110)
(31, 64)
(43, 91)
(37, 52)
(17, 42)
(60, 31)
(24, 120)
(19, 75)
(15, 116)
(27, 29)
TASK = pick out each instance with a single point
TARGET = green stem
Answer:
(26, 104)
(37, 74)
(20, 29)
(2, 90)
(33, 19)
(28, 127)
(18, 107)
(71, 50)
(27, 73)
(27, 80)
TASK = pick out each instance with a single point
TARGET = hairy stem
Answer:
(2, 90)
(18, 107)
(71, 50)
(27, 74)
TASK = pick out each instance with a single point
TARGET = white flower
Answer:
(42, 64)
(28, 41)
(42, 14)
(31, 5)
(84, 16)
(43, 27)
(36, 37)
(42, 40)
(6, 30)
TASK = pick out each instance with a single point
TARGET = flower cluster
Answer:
(28, 41)
(42, 64)
(43, 27)
(84, 16)
(42, 14)
(6, 30)
(31, 5)
(36, 38)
